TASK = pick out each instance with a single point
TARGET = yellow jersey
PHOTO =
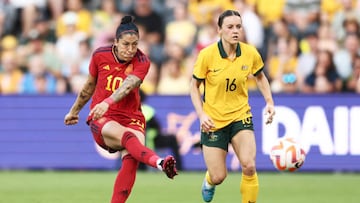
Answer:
(225, 81)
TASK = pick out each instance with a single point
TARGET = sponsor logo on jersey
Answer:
(107, 67)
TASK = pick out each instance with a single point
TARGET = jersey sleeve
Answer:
(200, 66)
(93, 70)
(258, 62)
(141, 66)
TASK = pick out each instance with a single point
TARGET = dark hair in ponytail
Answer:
(127, 26)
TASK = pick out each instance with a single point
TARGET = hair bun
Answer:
(126, 20)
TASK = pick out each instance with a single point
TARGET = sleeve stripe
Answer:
(142, 58)
(102, 49)
(257, 72)
(198, 78)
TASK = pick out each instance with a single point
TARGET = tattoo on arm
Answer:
(84, 96)
(129, 83)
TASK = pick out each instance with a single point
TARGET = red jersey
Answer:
(110, 74)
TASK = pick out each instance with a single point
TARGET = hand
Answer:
(71, 119)
(270, 112)
(206, 123)
(99, 110)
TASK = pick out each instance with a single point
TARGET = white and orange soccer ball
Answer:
(287, 155)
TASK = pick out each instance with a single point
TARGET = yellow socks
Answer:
(249, 188)
(208, 180)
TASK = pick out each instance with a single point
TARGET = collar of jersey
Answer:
(223, 53)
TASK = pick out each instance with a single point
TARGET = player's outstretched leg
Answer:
(168, 165)
(207, 190)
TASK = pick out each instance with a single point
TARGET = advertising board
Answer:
(33, 134)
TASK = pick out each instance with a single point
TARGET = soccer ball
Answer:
(287, 155)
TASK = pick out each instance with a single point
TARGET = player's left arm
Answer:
(264, 87)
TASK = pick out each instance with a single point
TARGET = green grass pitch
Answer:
(154, 187)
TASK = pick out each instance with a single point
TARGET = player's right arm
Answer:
(83, 97)
(206, 123)
(196, 95)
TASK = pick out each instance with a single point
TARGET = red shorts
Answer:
(97, 125)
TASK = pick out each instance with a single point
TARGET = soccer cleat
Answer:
(207, 193)
(169, 166)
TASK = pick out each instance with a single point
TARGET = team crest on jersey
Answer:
(244, 67)
(129, 69)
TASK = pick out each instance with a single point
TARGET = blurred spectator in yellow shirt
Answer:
(150, 82)
(105, 18)
(268, 11)
(11, 75)
(186, 37)
(84, 18)
(329, 8)
(173, 81)
(282, 68)
(202, 11)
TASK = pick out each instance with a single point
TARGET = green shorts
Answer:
(221, 138)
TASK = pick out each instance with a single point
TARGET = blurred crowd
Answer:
(308, 46)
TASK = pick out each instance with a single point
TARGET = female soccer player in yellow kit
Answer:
(224, 111)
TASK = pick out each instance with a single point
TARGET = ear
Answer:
(116, 41)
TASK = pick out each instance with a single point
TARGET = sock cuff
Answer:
(208, 179)
(158, 162)
(250, 179)
(126, 136)
(128, 156)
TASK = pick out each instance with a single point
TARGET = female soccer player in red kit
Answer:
(115, 118)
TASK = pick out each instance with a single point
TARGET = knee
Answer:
(248, 168)
(217, 178)
(112, 140)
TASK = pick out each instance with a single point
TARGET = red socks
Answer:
(139, 151)
(125, 179)
(127, 174)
